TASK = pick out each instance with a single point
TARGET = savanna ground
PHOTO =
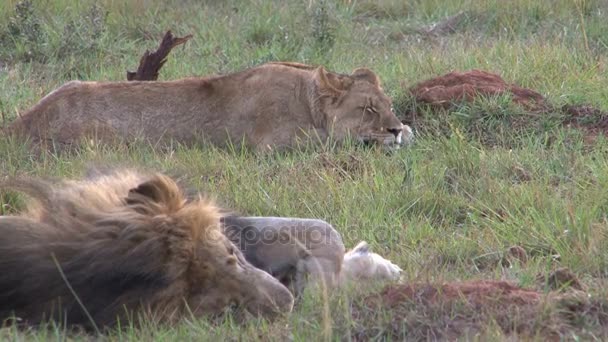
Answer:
(482, 177)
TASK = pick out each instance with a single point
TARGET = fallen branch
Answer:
(150, 63)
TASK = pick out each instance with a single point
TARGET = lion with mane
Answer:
(92, 253)
(274, 105)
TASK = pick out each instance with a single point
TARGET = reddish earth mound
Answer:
(590, 118)
(466, 86)
(483, 292)
(458, 309)
(457, 87)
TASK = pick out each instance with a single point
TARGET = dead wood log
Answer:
(150, 63)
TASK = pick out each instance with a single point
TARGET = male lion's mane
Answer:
(89, 261)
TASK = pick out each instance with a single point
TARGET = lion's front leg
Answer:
(315, 272)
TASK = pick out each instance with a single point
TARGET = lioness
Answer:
(301, 252)
(92, 253)
(273, 105)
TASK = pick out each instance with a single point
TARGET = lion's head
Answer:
(356, 105)
(361, 264)
(151, 250)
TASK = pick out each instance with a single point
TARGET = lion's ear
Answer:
(160, 189)
(367, 75)
(362, 247)
(332, 84)
(150, 190)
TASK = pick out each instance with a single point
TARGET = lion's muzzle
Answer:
(266, 295)
(402, 136)
(406, 136)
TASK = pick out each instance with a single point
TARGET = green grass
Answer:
(471, 186)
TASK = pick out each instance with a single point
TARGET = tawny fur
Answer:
(274, 105)
(361, 264)
(127, 244)
(302, 252)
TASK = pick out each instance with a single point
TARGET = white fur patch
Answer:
(362, 264)
(406, 135)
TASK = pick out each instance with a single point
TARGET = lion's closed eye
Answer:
(369, 109)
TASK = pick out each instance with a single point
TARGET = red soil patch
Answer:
(457, 87)
(482, 292)
(593, 120)
(466, 86)
(455, 310)
(560, 279)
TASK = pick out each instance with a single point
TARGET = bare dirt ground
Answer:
(456, 309)
(466, 86)
(446, 91)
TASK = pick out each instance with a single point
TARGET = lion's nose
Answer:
(395, 131)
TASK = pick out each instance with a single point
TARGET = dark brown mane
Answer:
(115, 258)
